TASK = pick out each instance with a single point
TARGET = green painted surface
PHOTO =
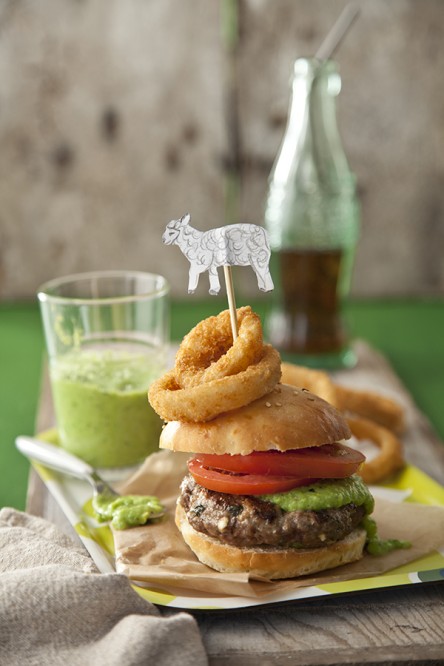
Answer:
(21, 346)
(410, 333)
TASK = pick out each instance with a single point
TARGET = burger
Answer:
(271, 488)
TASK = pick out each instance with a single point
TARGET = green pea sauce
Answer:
(126, 511)
(332, 494)
(328, 494)
(377, 546)
(102, 408)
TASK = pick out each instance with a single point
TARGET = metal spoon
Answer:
(62, 461)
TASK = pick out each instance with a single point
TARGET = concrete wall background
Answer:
(119, 115)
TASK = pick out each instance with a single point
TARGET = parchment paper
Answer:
(157, 554)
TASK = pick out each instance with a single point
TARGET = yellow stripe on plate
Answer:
(156, 597)
(424, 489)
(364, 583)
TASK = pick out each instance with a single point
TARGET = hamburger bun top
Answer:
(286, 418)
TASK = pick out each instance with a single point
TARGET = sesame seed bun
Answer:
(286, 418)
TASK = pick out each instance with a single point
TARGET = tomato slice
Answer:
(242, 484)
(331, 461)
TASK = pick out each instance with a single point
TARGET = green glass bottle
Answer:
(312, 216)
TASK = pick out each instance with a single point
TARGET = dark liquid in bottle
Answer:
(310, 320)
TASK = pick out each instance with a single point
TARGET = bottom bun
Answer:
(272, 563)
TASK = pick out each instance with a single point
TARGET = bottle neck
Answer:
(312, 151)
(312, 194)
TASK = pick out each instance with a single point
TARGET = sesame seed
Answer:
(278, 404)
(268, 404)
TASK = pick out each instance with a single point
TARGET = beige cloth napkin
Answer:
(55, 608)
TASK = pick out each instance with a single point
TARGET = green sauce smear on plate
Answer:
(127, 510)
(377, 546)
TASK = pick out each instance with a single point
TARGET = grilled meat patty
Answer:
(247, 521)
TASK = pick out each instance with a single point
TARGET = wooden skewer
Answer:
(231, 300)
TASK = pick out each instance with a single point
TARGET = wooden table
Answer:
(391, 626)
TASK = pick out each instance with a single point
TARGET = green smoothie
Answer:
(101, 404)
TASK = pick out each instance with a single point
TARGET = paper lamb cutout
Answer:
(232, 245)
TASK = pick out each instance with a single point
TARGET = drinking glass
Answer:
(107, 336)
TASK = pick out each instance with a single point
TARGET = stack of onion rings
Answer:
(213, 375)
(375, 417)
(373, 406)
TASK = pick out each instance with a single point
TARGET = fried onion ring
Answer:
(373, 406)
(316, 381)
(206, 401)
(390, 457)
(208, 352)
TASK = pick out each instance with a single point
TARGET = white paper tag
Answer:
(232, 245)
